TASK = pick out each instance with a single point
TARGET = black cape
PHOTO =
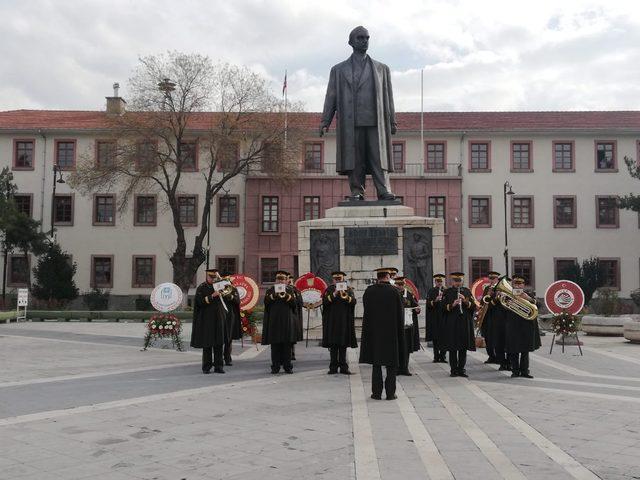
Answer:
(521, 335)
(459, 333)
(382, 326)
(278, 324)
(338, 319)
(209, 327)
(232, 301)
(493, 326)
(435, 316)
(298, 317)
(410, 301)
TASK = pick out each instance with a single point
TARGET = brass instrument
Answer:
(486, 302)
(519, 306)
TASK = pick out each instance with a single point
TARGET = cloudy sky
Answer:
(476, 55)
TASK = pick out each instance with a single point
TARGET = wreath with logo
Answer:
(565, 324)
(163, 325)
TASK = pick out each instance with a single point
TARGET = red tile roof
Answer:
(408, 121)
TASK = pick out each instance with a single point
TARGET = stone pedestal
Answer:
(359, 239)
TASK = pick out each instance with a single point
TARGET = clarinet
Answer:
(460, 304)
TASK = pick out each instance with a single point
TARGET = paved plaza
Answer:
(80, 400)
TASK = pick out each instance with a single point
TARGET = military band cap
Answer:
(518, 279)
(282, 272)
(493, 274)
(211, 271)
(439, 275)
(338, 274)
(393, 270)
(383, 270)
(457, 275)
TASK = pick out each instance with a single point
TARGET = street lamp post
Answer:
(506, 229)
(57, 178)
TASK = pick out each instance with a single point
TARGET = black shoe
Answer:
(387, 196)
(206, 372)
(453, 374)
(405, 373)
(218, 370)
(332, 371)
(526, 375)
(356, 198)
(463, 373)
(392, 397)
(228, 363)
(275, 371)
(288, 370)
(504, 366)
(345, 371)
(376, 397)
(515, 374)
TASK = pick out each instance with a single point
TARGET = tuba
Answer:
(519, 306)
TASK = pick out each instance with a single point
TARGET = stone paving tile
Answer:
(300, 426)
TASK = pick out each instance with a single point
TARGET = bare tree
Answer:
(180, 103)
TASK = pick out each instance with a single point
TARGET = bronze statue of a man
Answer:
(359, 91)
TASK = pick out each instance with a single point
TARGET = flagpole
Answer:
(285, 92)
(422, 114)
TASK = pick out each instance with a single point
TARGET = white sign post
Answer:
(23, 301)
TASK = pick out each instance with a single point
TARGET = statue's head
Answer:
(359, 39)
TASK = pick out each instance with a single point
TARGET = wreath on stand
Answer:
(565, 324)
(249, 325)
(163, 325)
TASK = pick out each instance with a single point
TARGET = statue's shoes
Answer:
(387, 196)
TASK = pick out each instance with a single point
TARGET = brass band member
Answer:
(209, 329)
(278, 326)
(338, 323)
(459, 335)
(411, 334)
(435, 316)
(522, 335)
(493, 325)
(382, 333)
(231, 299)
(298, 315)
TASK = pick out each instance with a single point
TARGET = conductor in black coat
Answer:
(338, 323)
(382, 333)
(209, 330)
(459, 334)
(278, 325)
(435, 316)
(231, 299)
(411, 333)
(522, 335)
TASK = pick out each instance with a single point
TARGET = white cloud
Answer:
(489, 55)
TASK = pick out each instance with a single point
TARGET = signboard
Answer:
(311, 288)
(247, 290)
(361, 241)
(166, 297)
(23, 297)
(478, 287)
(564, 296)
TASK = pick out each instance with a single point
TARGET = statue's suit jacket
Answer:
(340, 101)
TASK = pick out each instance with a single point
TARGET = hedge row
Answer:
(101, 315)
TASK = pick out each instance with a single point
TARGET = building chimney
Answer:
(116, 105)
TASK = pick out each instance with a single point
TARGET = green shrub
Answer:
(97, 299)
